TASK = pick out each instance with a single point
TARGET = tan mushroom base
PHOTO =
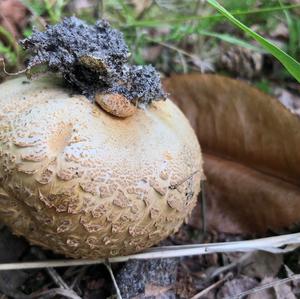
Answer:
(85, 184)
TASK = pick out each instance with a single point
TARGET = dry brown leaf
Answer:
(13, 16)
(268, 293)
(236, 286)
(156, 291)
(251, 151)
(262, 264)
(283, 291)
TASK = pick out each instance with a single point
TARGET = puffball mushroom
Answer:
(86, 183)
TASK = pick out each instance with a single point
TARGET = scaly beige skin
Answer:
(86, 184)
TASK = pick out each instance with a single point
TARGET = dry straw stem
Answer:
(272, 284)
(213, 286)
(278, 244)
(55, 277)
(52, 293)
(107, 264)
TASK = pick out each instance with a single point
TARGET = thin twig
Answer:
(54, 275)
(78, 276)
(272, 284)
(57, 279)
(107, 264)
(174, 186)
(211, 287)
(52, 293)
(201, 64)
(174, 48)
(60, 282)
(230, 266)
(10, 74)
(288, 271)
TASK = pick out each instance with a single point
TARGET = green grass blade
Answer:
(178, 19)
(293, 30)
(231, 39)
(288, 62)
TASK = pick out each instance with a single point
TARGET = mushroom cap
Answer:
(86, 184)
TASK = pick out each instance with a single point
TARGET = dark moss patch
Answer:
(93, 58)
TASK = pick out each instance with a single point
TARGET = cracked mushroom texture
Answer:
(86, 184)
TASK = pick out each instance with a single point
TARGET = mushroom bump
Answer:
(88, 184)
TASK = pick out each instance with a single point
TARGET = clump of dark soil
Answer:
(93, 58)
(135, 275)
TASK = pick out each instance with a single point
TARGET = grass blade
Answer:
(231, 39)
(287, 61)
(180, 19)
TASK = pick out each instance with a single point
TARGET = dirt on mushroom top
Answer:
(93, 58)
